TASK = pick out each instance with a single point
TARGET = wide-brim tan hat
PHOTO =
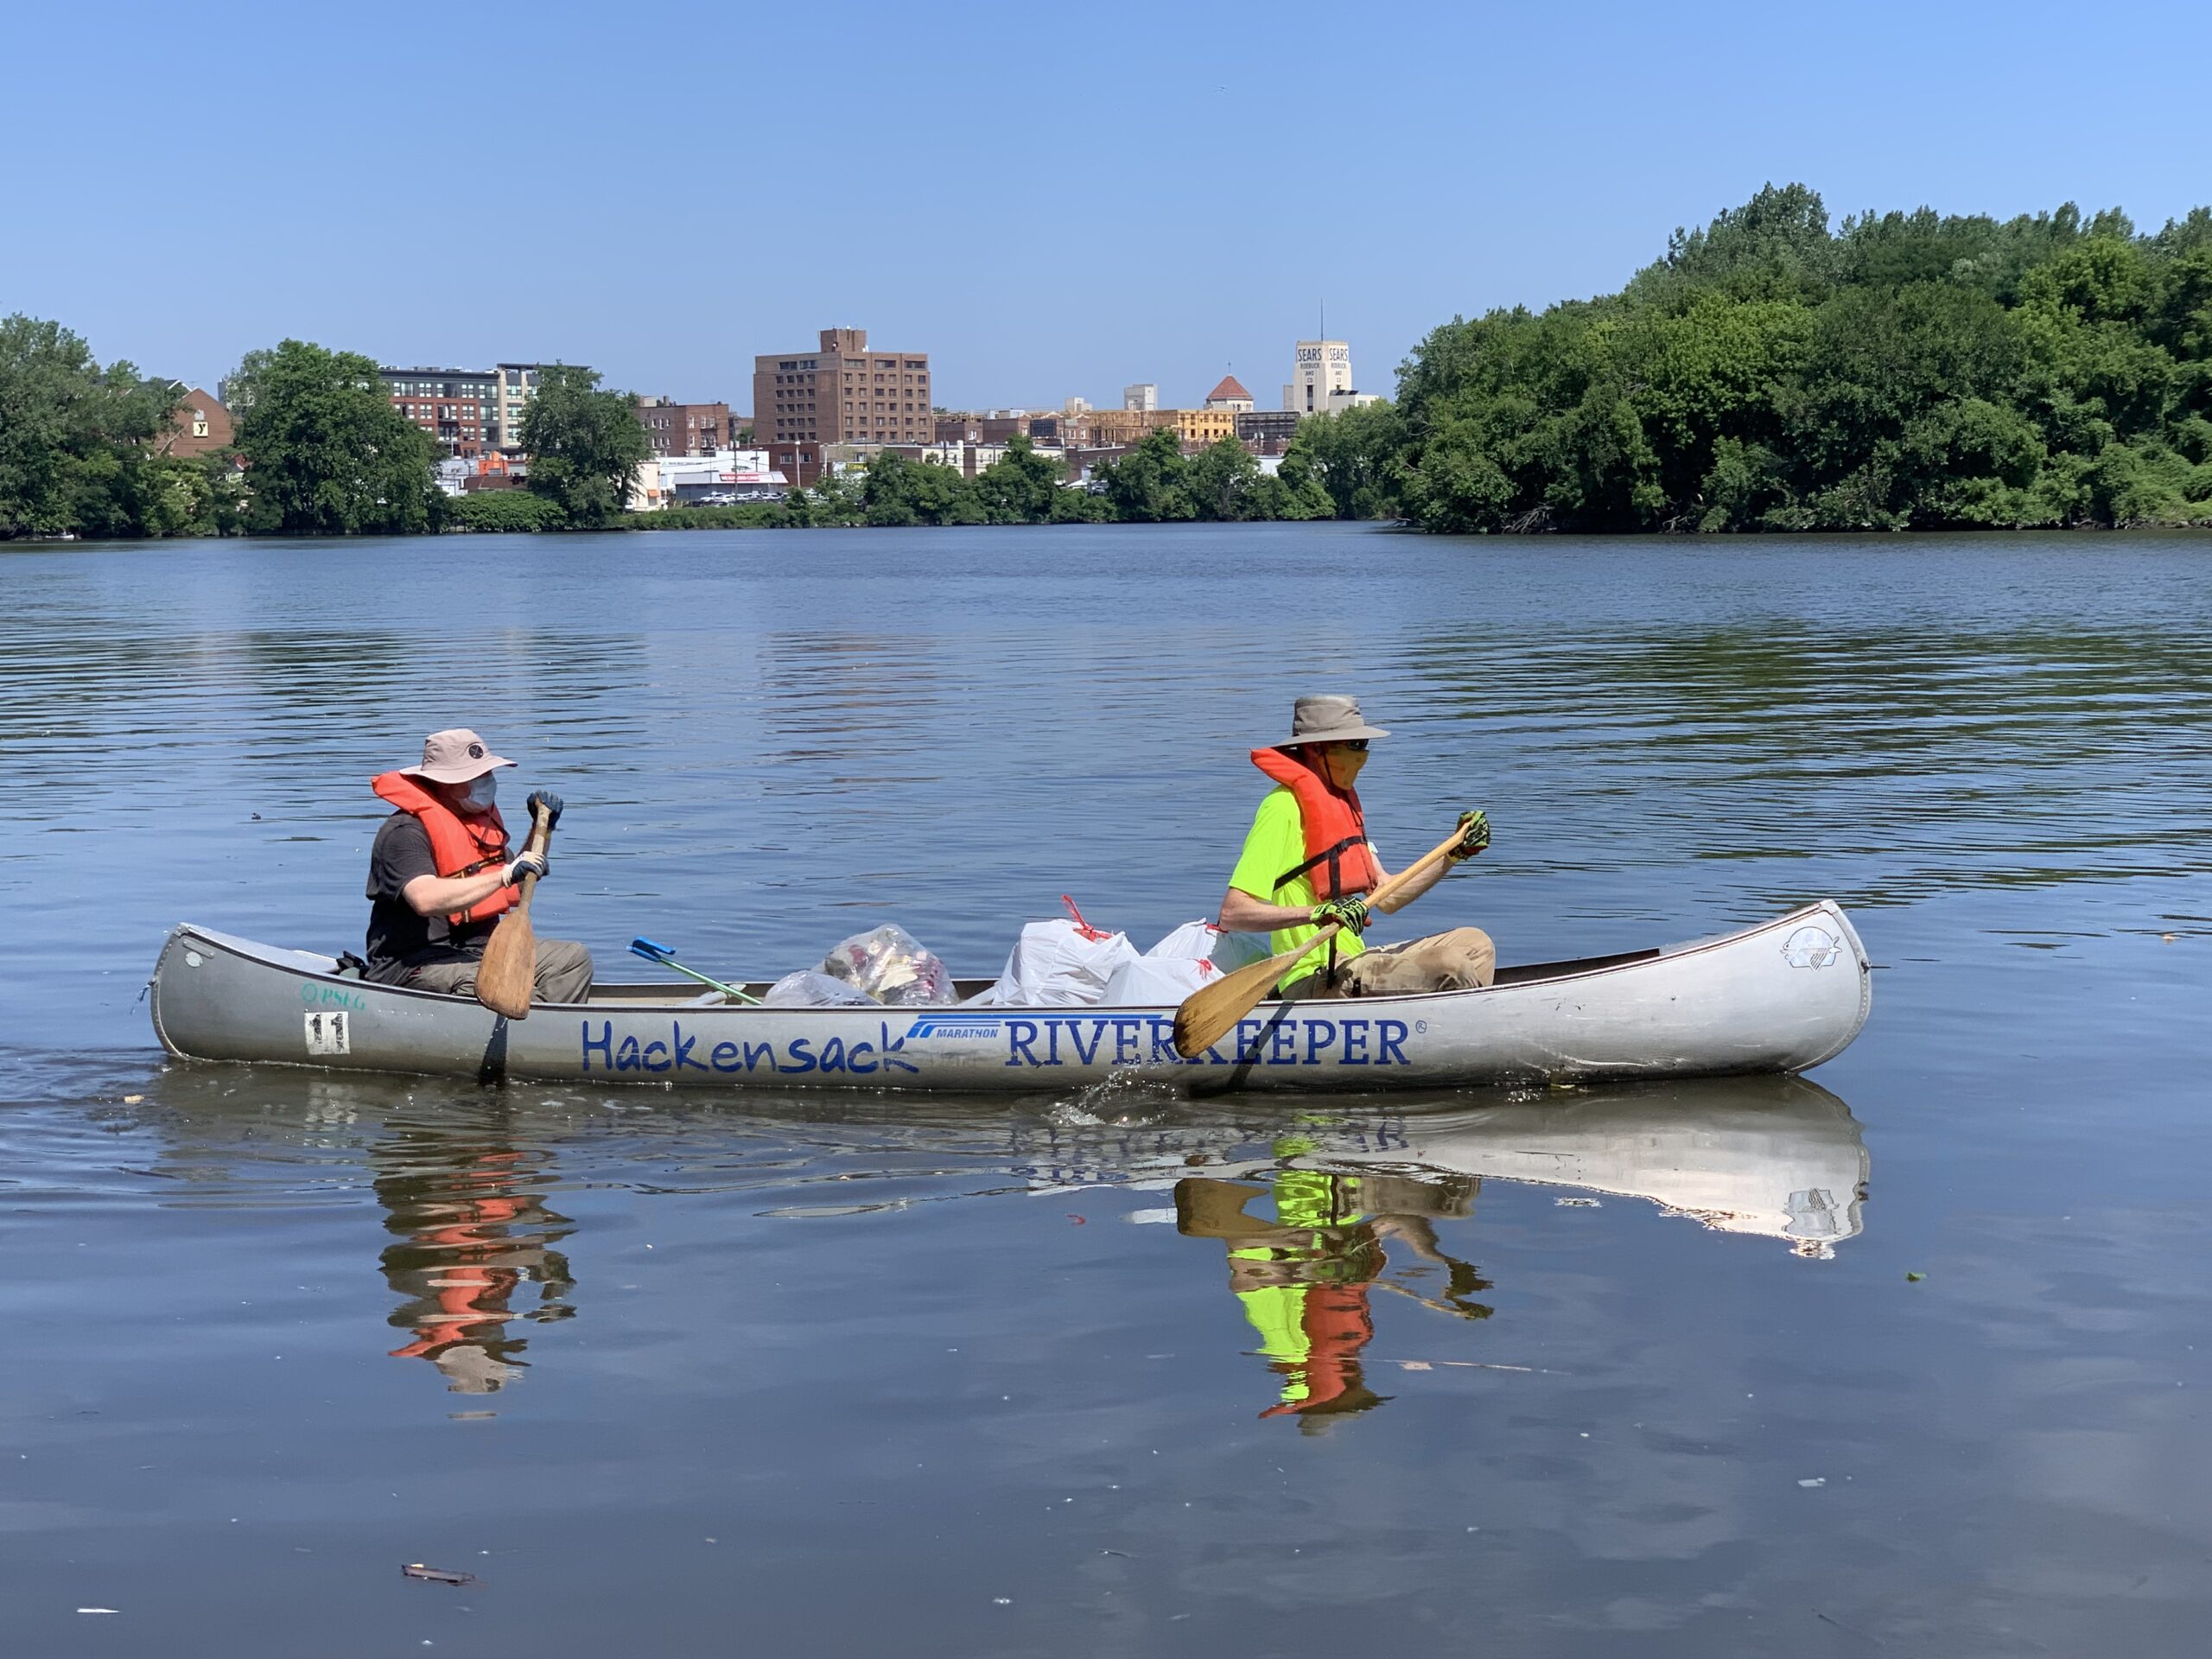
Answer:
(1326, 719)
(454, 757)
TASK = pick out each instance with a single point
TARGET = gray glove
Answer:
(524, 864)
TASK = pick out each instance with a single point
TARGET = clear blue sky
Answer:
(1052, 200)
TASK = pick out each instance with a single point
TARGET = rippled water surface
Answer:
(1909, 1356)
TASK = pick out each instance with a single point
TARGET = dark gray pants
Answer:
(563, 971)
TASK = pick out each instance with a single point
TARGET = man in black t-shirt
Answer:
(441, 872)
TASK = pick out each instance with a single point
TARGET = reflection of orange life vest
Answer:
(1338, 859)
(1336, 1324)
(460, 846)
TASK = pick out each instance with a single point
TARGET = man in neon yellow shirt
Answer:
(1309, 829)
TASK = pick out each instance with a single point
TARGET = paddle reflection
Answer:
(476, 1238)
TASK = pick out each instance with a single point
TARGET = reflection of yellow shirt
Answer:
(1304, 1197)
(1275, 843)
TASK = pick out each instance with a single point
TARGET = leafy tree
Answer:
(504, 511)
(1910, 370)
(1146, 484)
(1020, 487)
(325, 454)
(76, 442)
(585, 445)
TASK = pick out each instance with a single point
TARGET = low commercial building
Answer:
(722, 477)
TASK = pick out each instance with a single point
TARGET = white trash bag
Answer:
(1204, 942)
(809, 989)
(889, 965)
(1061, 963)
(1150, 982)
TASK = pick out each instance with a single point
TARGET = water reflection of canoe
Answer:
(1781, 997)
(1777, 1157)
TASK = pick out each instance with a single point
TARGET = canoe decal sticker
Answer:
(327, 1034)
(1811, 947)
(680, 1052)
(1048, 1040)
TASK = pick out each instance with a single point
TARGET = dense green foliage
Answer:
(1157, 483)
(1906, 370)
(585, 445)
(504, 510)
(79, 446)
(325, 454)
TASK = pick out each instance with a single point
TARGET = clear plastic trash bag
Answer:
(889, 964)
(809, 989)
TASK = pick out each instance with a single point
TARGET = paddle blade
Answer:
(1210, 1012)
(505, 978)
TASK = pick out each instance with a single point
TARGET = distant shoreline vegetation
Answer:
(1768, 373)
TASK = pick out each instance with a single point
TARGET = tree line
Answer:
(1903, 371)
(1769, 373)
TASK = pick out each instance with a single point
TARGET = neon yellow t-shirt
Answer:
(1276, 843)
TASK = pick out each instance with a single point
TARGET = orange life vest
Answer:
(461, 846)
(1338, 859)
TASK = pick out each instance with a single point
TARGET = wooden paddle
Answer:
(508, 969)
(1207, 1015)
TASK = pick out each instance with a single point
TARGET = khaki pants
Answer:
(1458, 960)
(563, 971)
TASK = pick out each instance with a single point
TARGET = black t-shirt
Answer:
(401, 853)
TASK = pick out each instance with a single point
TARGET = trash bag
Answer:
(808, 990)
(889, 965)
(1157, 981)
(1204, 942)
(1059, 964)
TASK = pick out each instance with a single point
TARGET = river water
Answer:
(1909, 1356)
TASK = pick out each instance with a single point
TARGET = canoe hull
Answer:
(1783, 997)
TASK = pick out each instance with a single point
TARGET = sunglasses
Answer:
(1358, 745)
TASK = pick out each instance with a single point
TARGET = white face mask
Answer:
(481, 792)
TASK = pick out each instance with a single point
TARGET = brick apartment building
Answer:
(686, 428)
(459, 408)
(197, 425)
(840, 393)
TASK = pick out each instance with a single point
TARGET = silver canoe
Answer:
(1781, 997)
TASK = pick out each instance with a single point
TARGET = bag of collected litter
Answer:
(1157, 981)
(1061, 963)
(889, 964)
(1206, 943)
(808, 990)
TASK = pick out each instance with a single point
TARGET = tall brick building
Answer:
(842, 392)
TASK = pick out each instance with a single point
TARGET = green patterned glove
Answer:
(1348, 913)
(1474, 834)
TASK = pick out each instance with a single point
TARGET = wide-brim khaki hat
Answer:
(454, 757)
(1326, 719)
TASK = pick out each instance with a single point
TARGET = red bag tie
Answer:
(1082, 927)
